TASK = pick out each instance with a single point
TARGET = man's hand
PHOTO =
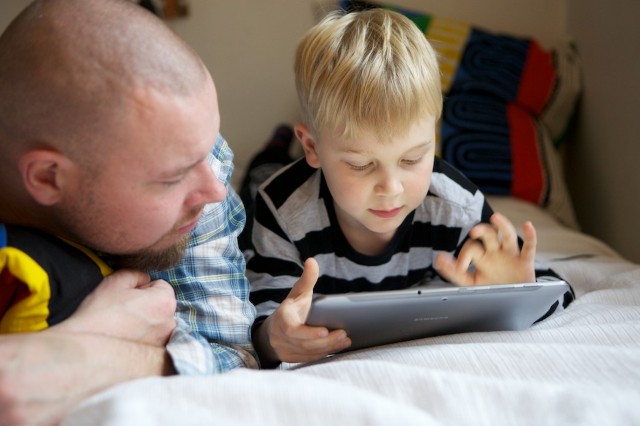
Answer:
(494, 252)
(284, 334)
(126, 305)
(43, 375)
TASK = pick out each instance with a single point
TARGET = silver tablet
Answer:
(381, 317)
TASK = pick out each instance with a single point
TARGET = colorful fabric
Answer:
(214, 315)
(508, 105)
(34, 266)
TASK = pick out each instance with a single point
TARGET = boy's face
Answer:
(375, 184)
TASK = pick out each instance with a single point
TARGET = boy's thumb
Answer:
(304, 285)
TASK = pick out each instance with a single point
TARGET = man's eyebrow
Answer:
(180, 170)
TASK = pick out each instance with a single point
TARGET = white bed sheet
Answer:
(581, 366)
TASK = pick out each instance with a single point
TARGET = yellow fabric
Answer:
(448, 37)
(31, 313)
(104, 268)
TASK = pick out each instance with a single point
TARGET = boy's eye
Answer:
(411, 162)
(358, 167)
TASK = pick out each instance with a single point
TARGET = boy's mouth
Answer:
(386, 214)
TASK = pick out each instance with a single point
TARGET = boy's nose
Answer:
(388, 184)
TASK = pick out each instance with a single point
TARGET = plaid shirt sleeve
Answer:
(214, 315)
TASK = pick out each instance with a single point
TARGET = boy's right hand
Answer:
(289, 337)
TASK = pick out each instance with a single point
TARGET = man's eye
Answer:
(171, 182)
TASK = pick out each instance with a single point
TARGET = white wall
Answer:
(604, 160)
(544, 19)
(9, 9)
(248, 45)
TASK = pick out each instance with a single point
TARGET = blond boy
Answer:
(370, 207)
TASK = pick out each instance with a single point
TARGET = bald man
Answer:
(109, 143)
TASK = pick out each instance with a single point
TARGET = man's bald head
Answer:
(69, 67)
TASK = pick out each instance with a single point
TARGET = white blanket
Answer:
(581, 366)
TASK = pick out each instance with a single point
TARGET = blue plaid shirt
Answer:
(214, 315)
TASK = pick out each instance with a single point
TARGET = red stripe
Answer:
(528, 178)
(12, 290)
(537, 80)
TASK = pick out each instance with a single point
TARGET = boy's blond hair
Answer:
(366, 71)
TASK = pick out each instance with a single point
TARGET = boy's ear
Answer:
(308, 144)
(42, 174)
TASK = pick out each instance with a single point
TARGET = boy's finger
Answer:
(508, 232)
(530, 242)
(450, 269)
(471, 252)
(487, 234)
(315, 348)
(334, 341)
(306, 282)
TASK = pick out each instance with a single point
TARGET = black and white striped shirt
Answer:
(295, 219)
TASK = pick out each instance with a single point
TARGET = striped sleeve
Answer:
(277, 263)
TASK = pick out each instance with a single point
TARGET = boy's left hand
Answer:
(494, 252)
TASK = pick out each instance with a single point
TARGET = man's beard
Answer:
(152, 261)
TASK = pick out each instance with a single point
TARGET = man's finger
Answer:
(127, 278)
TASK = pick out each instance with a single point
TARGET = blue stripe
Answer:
(3, 235)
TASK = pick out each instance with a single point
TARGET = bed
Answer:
(580, 366)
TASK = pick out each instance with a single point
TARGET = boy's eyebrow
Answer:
(423, 144)
(351, 150)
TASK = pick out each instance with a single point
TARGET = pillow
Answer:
(505, 151)
(508, 103)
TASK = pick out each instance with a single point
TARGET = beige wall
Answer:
(604, 161)
(9, 9)
(248, 46)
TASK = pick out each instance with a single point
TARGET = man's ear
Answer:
(308, 144)
(42, 173)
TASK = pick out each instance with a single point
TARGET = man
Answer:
(109, 139)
